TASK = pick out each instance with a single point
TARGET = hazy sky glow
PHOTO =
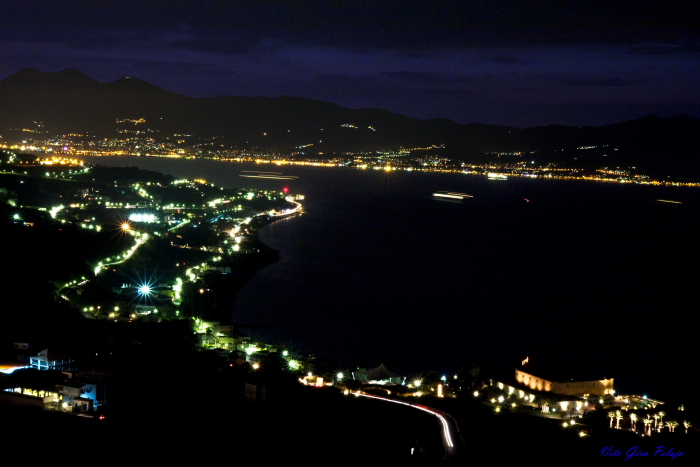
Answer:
(519, 63)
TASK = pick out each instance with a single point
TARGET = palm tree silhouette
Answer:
(618, 417)
(633, 417)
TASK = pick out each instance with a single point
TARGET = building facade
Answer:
(600, 387)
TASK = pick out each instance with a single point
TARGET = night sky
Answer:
(519, 63)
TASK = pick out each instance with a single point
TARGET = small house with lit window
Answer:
(80, 397)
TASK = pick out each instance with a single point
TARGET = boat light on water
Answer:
(451, 195)
(494, 176)
(668, 201)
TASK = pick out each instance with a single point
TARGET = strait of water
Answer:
(594, 277)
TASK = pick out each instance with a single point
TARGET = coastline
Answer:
(407, 193)
(231, 284)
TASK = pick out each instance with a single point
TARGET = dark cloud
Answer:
(415, 78)
(610, 82)
(665, 49)
(501, 60)
(222, 46)
(367, 25)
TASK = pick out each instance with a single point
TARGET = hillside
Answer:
(70, 102)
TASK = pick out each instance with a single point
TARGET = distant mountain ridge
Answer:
(69, 101)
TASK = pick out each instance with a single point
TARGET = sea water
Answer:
(593, 277)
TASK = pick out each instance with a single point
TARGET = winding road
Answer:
(455, 450)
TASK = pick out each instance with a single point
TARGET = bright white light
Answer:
(143, 218)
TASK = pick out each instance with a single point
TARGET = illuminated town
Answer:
(349, 233)
(147, 142)
(207, 233)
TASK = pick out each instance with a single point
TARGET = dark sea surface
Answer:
(593, 277)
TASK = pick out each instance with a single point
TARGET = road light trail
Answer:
(451, 449)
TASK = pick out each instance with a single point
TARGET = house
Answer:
(378, 375)
(225, 342)
(52, 361)
(223, 329)
(80, 397)
(206, 339)
(21, 351)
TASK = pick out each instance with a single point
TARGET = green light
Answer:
(293, 364)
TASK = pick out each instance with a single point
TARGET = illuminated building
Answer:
(532, 377)
(52, 361)
(79, 396)
(379, 374)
